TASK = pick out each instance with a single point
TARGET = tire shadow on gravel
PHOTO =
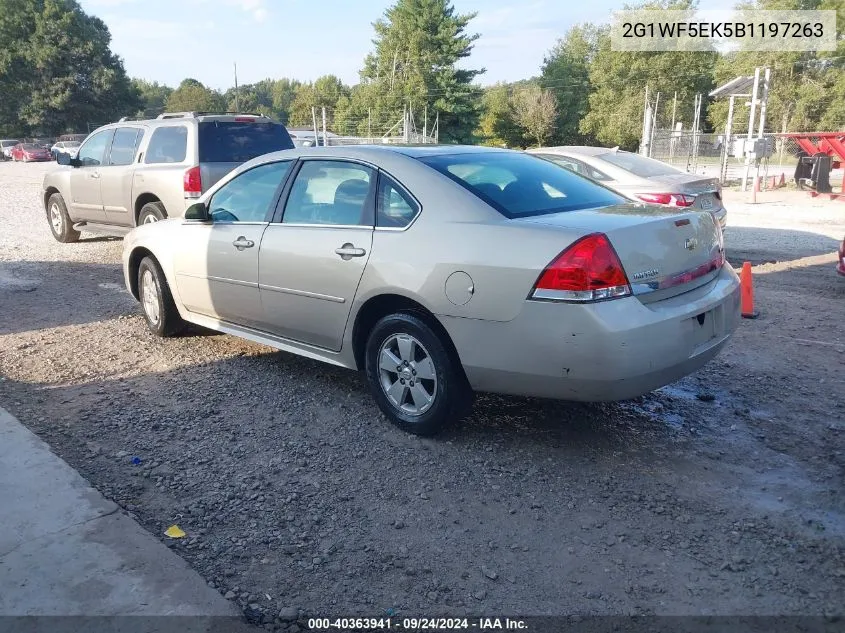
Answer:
(49, 294)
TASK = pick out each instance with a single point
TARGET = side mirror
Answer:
(62, 158)
(197, 212)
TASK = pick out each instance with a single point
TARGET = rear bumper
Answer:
(612, 350)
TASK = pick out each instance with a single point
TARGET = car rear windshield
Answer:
(238, 142)
(638, 165)
(520, 185)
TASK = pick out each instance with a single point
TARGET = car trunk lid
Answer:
(664, 252)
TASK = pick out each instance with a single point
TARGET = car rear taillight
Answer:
(589, 270)
(668, 199)
(244, 119)
(193, 183)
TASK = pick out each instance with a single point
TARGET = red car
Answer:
(30, 152)
(841, 267)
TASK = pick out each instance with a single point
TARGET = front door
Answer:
(116, 177)
(311, 262)
(216, 264)
(86, 201)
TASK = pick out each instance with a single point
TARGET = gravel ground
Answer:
(720, 494)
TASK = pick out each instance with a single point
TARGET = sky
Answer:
(169, 40)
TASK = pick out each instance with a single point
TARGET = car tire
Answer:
(156, 301)
(401, 394)
(152, 212)
(61, 226)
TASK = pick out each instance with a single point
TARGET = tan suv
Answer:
(136, 172)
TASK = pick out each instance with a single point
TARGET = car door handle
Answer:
(348, 251)
(94, 174)
(242, 243)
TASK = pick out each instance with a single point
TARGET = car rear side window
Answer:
(519, 185)
(240, 141)
(167, 145)
(638, 165)
(248, 196)
(125, 145)
(395, 208)
(330, 193)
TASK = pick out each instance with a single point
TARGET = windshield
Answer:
(238, 142)
(71, 144)
(520, 185)
(30, 146)
(638, 165)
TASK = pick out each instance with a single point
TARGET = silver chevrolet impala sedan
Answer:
(443, 270)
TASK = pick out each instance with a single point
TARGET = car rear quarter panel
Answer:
(457, 232)
(58, 180)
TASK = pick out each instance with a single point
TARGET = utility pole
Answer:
(237, 93)
(766, 78)
(425, 122)
(314, 120)
(727, 145)
(325, 138)
(369, 125)
(437, 128)
(646, 135)
(653, 123)
(749, 139)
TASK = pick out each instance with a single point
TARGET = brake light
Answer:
(244, 119)
(589, 270)
(668, 199)
(193, 183)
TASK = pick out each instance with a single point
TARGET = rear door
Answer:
(312, 260)
(86, 199)
(116, 176)
(224, 144)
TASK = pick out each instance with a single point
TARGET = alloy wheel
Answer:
(407, 374)
(149, 296)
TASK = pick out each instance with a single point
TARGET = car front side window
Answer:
(249, 196)
(92, 153)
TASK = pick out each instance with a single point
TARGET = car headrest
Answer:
(352, 192)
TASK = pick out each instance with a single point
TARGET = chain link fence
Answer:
(710, 155)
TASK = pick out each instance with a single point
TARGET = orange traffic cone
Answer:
(747, 293)
(782, 181)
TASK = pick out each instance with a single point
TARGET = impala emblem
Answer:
(691, 244)
(645, 274)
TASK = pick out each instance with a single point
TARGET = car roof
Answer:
(373, 151)
(583, 150)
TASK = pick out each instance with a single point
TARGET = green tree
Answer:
(153, 97)
(618, 81)
(535, 111)
(284, 91)
(807, 89)
(192, 96)
(566, 72)
(57, 72)
(418, 44)
(325, 92)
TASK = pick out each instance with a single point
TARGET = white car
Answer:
(71, 148)
(6, 146)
